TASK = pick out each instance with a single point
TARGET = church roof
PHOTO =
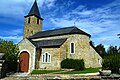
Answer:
(34, 11)
(57, 32)
(48, 43)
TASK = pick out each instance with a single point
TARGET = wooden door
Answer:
(24, 61)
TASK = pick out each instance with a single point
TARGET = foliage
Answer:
(87, 70)
(113, 50)
(44, 71)
(112, 62)
(73, 64)
(10, 49)
(101, 49)
(11, 56)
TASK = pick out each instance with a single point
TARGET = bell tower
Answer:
(32, 22)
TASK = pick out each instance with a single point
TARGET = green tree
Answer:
(10, 49)
(11, 56)
(113, 50)
(118, 35)
(101, 49)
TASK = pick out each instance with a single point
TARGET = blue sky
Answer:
(100, 18)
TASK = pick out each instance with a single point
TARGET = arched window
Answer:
(46, 58)
(72, 47)
(29, 20)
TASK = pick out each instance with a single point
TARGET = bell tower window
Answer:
(29, 20)
(37, 21)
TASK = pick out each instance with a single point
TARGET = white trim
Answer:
(29, 58)
(45, 57)
(70, 47)
(33, 65)
(27, 40)
(99, 62)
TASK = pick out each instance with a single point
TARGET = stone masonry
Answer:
(32, 27)
(83, 50)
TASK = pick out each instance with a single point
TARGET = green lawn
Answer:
(87, 70)
(44, 71)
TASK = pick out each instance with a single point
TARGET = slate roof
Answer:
(34, 11)
(48, 43)
(57, 32)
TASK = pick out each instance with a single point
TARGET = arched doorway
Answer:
(24, 61)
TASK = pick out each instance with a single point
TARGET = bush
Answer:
(73, 64)
(8, 67)
(112, 62)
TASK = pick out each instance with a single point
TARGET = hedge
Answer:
(77, 64)
(112, 62)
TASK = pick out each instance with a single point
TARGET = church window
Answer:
(72, 48)
(29, 20)
(46, 58)
(37, 21)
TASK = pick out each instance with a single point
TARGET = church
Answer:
(46, 49)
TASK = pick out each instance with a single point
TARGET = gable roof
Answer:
(57, 32)
(34, 11)
(48, 43)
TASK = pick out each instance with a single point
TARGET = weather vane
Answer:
(74, 23)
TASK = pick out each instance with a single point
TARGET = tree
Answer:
(112, 50)
(11, 56)
(118, 35)
(10, 49)
(101, 49)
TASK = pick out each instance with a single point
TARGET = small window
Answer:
(29, 20)
(46, 58)
(37, 21)
(72, 48)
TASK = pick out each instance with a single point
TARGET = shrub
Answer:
(112, 62)
(73, 64)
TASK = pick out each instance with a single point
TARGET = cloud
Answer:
(16, 39)
(103, 22)
(14, 32)
(14, 35)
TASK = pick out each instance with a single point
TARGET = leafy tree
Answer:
(11, 56)
(10, 49)
(112, 62)
(113, 50)
(101, 49)
(118, 35)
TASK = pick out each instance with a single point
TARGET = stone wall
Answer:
(55, 59)
(32, 27)
(25, 45)
(83, 50)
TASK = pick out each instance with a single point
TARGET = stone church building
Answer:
(46, 49)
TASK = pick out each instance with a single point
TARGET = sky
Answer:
(100, 18)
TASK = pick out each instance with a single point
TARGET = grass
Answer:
(87, 70)
(44, 71)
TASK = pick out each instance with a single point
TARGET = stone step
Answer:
(19, 74)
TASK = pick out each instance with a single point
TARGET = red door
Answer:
(24, 61)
